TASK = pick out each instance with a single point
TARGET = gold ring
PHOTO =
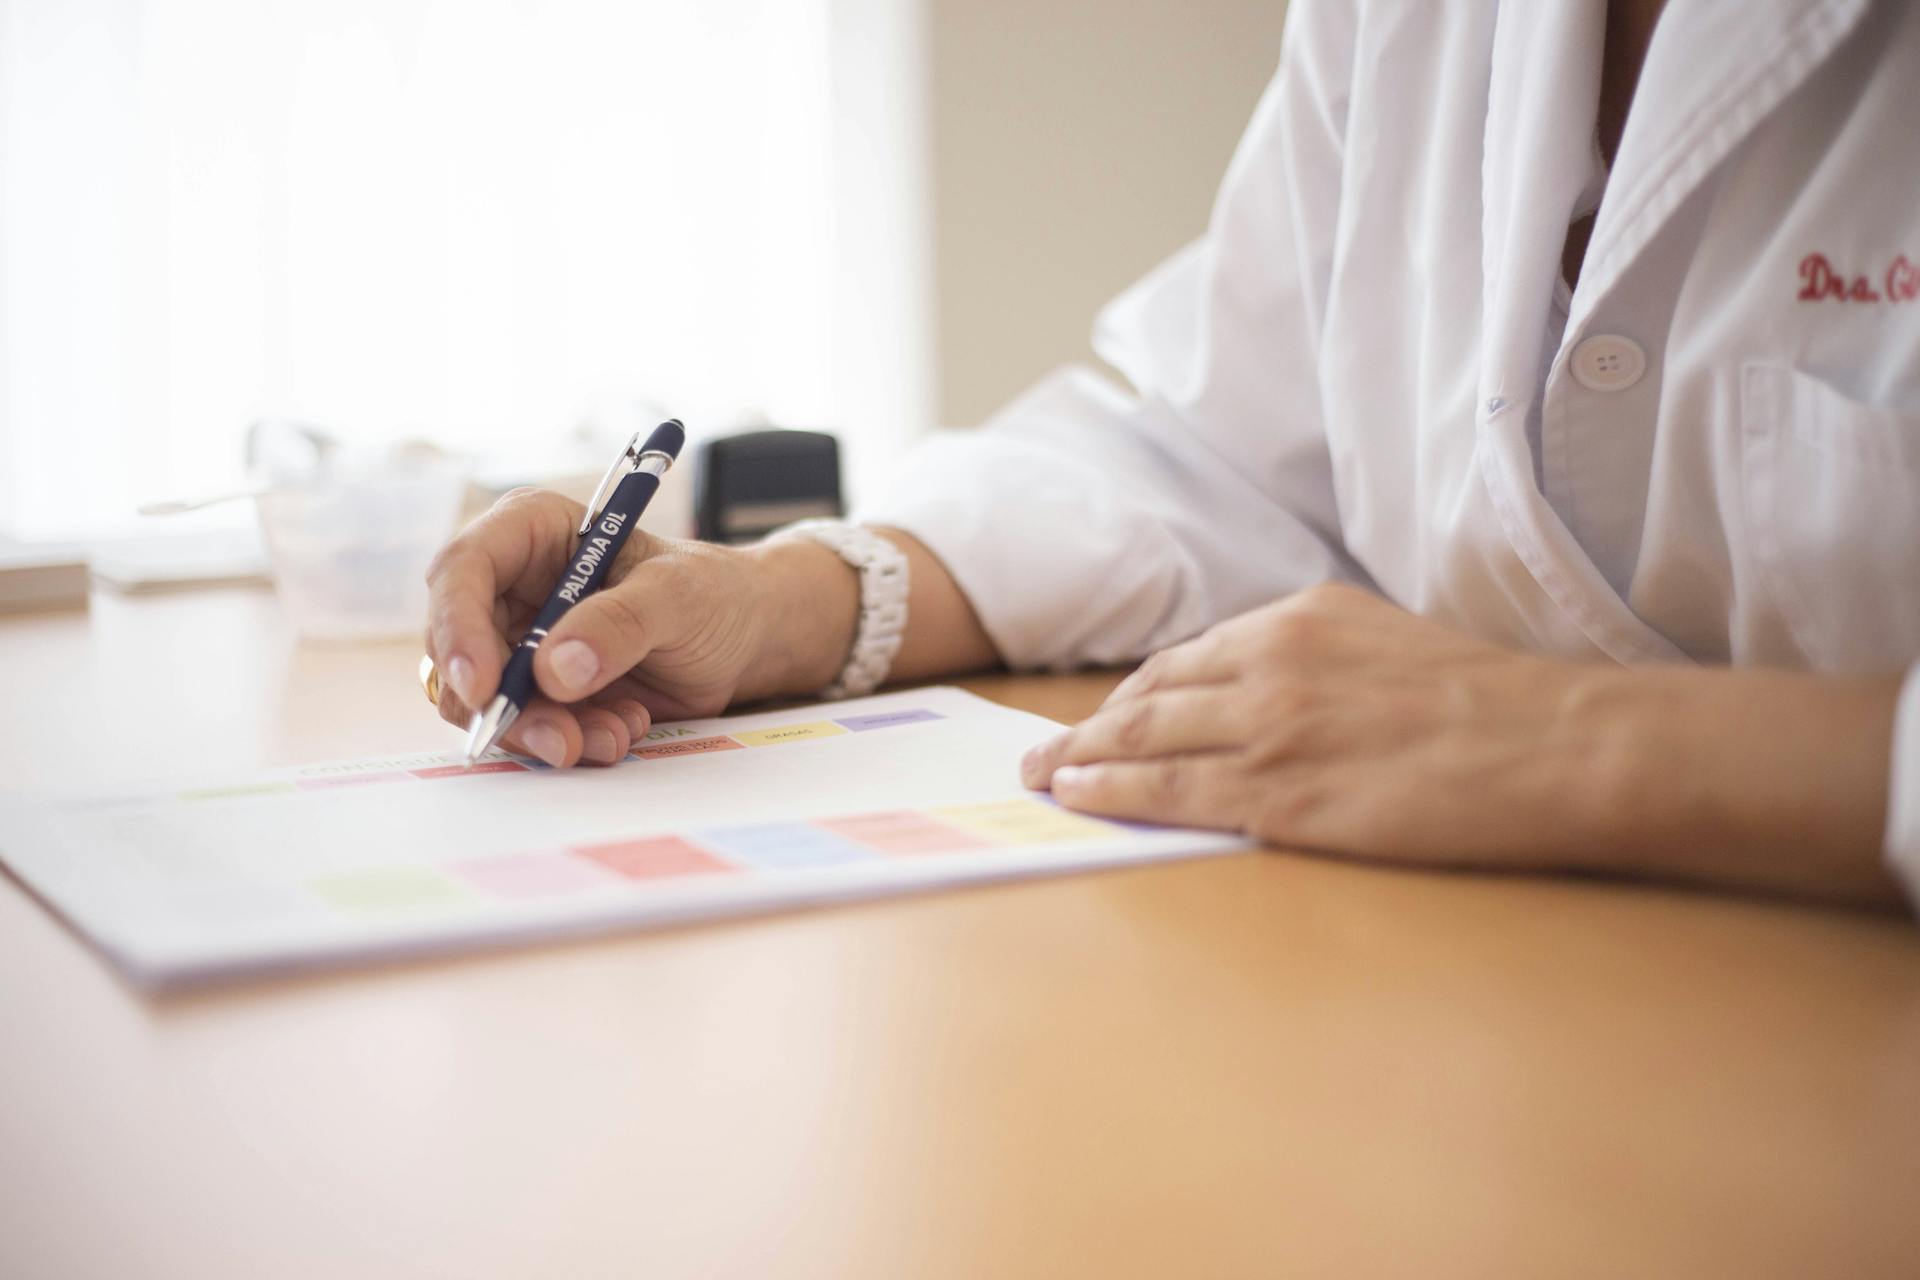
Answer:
(430, 679)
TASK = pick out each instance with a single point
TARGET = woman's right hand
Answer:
(682, 629)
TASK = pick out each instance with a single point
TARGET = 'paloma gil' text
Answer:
(590, 557)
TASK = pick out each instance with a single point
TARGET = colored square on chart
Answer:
(379, 890)
(655, 858)
(887, 719)
(685, 747)
(1144, 828)
(1022, 822)
(783, 846)
(350, 780)
(903, 832)
(461, 770)
(243, 791)
(533, 875)
(789, 733)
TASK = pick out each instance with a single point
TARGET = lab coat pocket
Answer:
(1833, 515)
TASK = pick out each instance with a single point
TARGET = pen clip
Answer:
(629, 459)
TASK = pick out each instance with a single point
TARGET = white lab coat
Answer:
(1371, 368)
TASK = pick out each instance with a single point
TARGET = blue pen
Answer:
(633, 479)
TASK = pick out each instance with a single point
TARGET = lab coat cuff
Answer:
(1059, 570)
(1903, 790)
(935, 498)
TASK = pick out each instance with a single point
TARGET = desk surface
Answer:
(1255, 1065)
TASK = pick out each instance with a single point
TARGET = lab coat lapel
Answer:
(1715, 70)
(1538, 156)
(1538, 153)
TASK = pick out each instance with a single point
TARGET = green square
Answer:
(384, 890)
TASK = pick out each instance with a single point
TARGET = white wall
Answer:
(1074, 143)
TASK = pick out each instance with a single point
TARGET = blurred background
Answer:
(517, 228)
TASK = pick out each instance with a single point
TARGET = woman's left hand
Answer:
(1333, 720)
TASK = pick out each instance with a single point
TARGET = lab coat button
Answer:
(1608, 362)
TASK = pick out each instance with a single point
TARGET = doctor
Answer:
(1522, 472)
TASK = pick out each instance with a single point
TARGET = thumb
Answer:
(603, 637)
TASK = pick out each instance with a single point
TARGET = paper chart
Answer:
(382, 856)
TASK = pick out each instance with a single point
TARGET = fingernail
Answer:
(545, 741)
(636, 722)
(460, 672)
(575, 664)
(600, 746)
(1066, 777)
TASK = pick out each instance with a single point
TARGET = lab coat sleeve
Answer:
(1903, 790)
(1087, 524)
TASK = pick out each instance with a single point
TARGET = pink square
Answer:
(532, 875)
(902, 832)
(465, 770)
(654, 858)
(686, 747)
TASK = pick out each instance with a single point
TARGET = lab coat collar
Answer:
(1715, 69)
(1541, 108)
(1713, 72)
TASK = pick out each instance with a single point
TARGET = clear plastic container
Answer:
(350, 549)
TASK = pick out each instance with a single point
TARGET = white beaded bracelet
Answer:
(883, 602)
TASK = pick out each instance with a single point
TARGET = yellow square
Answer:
(789, 733)
(239, 791)
(1022, 822)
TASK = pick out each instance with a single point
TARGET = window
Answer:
(478, 222)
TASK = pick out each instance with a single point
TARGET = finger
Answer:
(633, 714)
(1176, 721)
(1201, 660)
(551, 740)
(612, 631)
(452, 709)
(462, 638)
(1209, 790)
(547, 732)
(603, 735)
(524, 537)
(549, 744)
(607, 731)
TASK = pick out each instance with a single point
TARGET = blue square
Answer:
(782, 846)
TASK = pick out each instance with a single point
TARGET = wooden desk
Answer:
(1259, 1065)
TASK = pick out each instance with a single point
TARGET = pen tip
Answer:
(487, 727)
